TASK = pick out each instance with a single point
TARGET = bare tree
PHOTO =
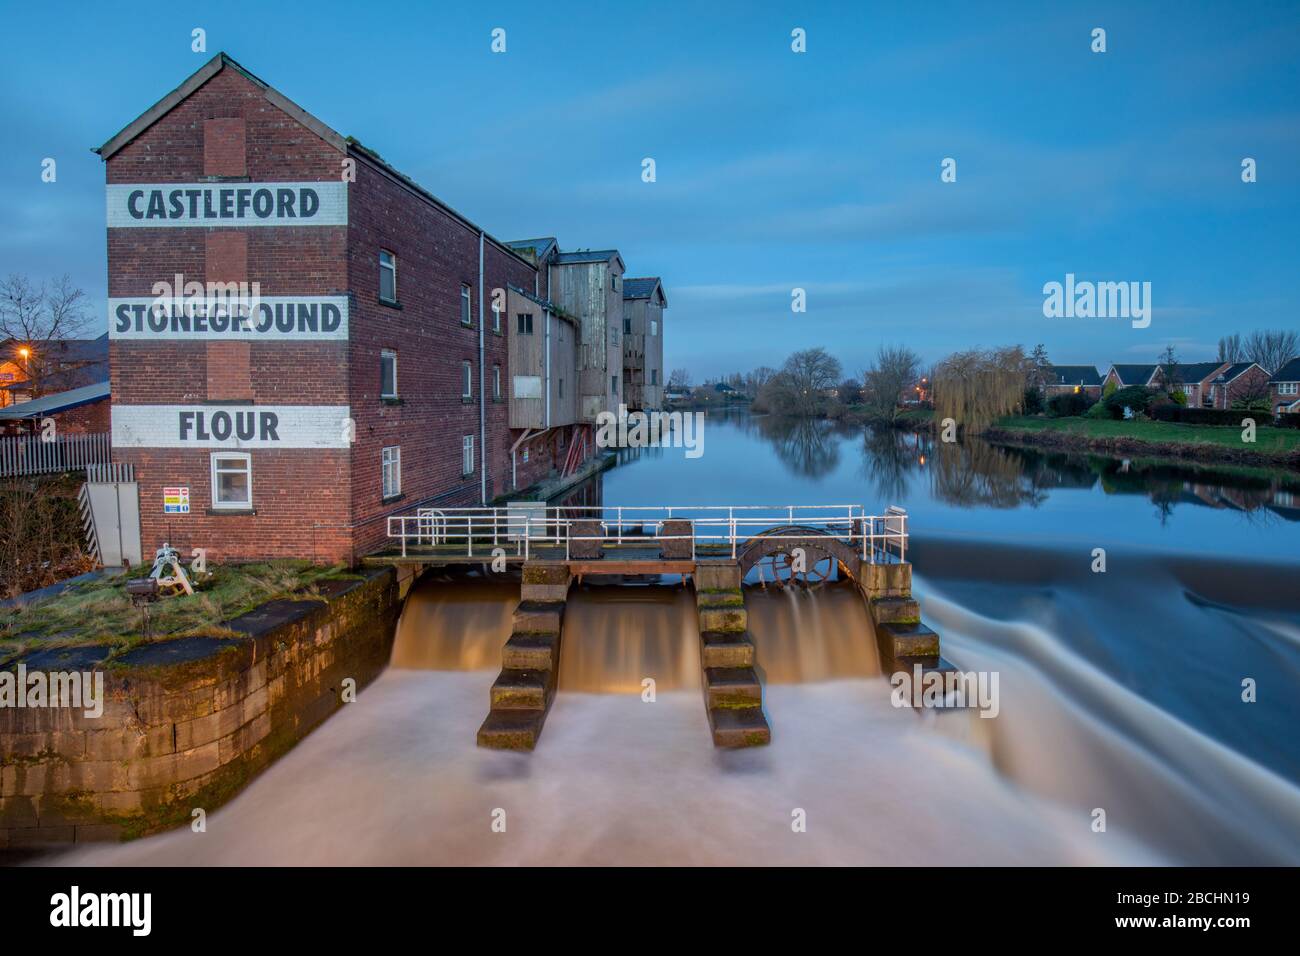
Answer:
(755, 380)
(34, 316)
(1232, 349)
(1272, 348)
(894, 371)
(1040, 368)
(1171, 370)
(680, 378)
(801, 387)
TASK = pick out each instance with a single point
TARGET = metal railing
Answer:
(530, 529)
(33, 455)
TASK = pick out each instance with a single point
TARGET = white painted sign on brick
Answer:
(231, 426)
(153, 205)
(267, 318)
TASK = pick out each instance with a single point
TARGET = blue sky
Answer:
(775, 170)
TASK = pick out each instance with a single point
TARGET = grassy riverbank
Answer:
(100, 612)
(1272, 446)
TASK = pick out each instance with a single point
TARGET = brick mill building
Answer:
(373, 361)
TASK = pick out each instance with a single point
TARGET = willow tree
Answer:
(978, 387)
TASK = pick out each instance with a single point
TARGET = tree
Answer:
(679, 379)
(34, 316)
(1272, 348)
(978, 387)
(1172, 370)
(893, 372)
(1040, 369)
(801, 387)
(755, 380)
(849, 391)
(1232, 349)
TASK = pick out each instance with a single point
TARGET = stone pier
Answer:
(733, 695)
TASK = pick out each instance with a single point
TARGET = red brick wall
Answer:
(1253, 383)
(436, 253)
(300, 496)
(87, 419)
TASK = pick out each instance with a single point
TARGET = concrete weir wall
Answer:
(187, 722)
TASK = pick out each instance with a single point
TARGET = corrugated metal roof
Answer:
(58, 402)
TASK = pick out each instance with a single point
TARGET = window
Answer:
(466, 301)
(496, 318)
(561, 388)
(654, 376)
(467, 455)
(525, 323)
(387, 276)
(613, 281)
(613, 384)
(525, 454)
(1288, 388)
(466, 380)
(392, 467)
(387, 374)
(232, 481)
(654, 326)
(627, 326)
(496, 383)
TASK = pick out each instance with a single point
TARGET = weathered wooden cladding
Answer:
(543, 364)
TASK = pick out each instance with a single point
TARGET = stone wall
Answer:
(187, 722)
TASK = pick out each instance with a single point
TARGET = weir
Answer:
(716, 547)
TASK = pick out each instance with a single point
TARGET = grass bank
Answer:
(100, 612)
(1272, 446)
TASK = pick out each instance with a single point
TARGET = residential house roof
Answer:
(1134, 374)
(1198, 371)
(535, 249)
(1290, 372)
(1233, 371)
(1073, 375)
(64, 379)
(344, 144)
(58, 402)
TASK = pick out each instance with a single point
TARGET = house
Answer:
(1126, 376)
(79, 411)
(367, 375)
(28, 370)
(1284, 389)
(1195, 379)
(1240, 381)
(1065, 379)
(643, 342)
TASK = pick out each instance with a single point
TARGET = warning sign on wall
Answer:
(176, 501)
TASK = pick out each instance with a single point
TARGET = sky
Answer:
(774, 170)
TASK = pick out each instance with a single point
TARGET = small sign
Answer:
(176, 501)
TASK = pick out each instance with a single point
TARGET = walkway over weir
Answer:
(648, 539)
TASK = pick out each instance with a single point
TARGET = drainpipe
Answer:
(547, 319)
(482, 408)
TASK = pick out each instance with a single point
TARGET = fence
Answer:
(32, 455)
(527, 528)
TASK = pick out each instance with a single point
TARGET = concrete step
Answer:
(929, 663)
(511, 729)
(909, 640)
(896, 610)
(531, 652)
(539, 617)
(717, 574)
(726, 649)
(732, 687)
(730, 597)
(739, 727)
(522, 690)
(545, 593)
(546, 572)
(723, 619)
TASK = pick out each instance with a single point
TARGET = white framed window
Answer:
(466, 303)
(387, 373)
(525, 323)
(496, 317)
(232, 481)
(387, 276)
(466, 380)
(496, 383)
(392, 470)
(1288, 388)
(467, 455)
(654, 326)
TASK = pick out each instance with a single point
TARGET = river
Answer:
(1121, 691)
